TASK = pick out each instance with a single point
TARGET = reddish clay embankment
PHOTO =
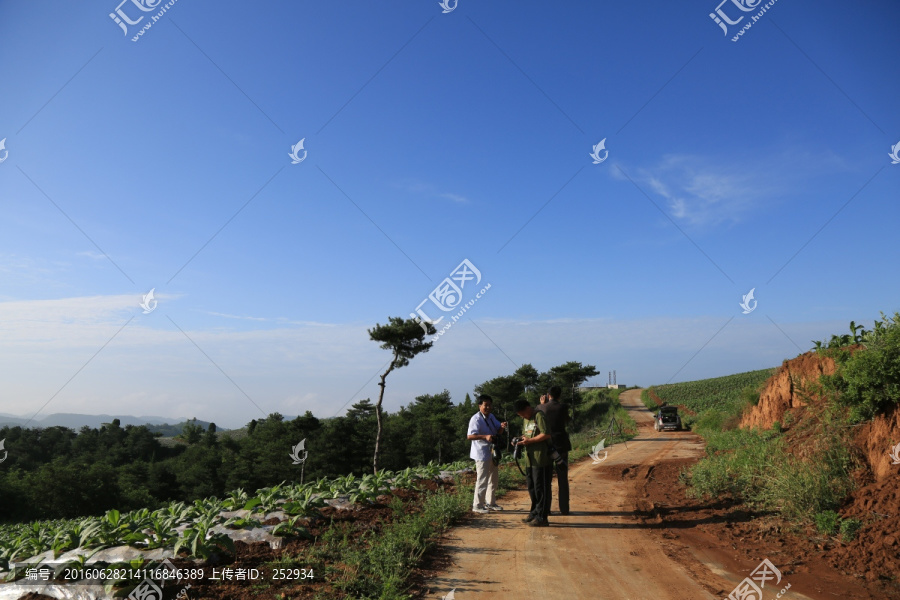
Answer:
(874, 556)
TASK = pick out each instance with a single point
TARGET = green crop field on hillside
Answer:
(704, 394)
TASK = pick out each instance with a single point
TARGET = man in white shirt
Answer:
(485, 430)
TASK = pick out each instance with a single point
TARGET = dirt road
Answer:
(602, 550)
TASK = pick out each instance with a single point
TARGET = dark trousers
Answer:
(562, 477)
(539, 489)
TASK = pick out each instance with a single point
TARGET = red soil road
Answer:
(602, 550)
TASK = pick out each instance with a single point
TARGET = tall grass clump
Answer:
(739, 463)
(755, 467)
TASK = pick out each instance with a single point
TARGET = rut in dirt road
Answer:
(600, 550)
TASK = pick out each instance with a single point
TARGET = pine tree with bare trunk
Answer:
(405, 338)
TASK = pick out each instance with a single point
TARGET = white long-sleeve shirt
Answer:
(478, 425)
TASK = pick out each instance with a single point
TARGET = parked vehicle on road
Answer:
(667, 419)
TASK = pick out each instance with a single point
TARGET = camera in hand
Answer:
(517, 449)
(496, 449)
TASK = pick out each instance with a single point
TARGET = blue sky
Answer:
(431, 138)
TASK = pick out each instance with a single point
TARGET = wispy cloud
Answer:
(701, 193)
(706, 191)
(276, 320)
(428, 190)
(227, 316)
(17, 270)
(454, 197)
(93, 255)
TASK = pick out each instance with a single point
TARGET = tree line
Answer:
(56, 472)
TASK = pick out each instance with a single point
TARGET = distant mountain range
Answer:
(77, 421)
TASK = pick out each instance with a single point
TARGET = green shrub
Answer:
(849, 529)
(397, 506)
(826, 522)
(869, 380)
(750, 395)
(710, 422)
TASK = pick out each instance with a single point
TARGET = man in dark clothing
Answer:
(557, 418)
(537, 462)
